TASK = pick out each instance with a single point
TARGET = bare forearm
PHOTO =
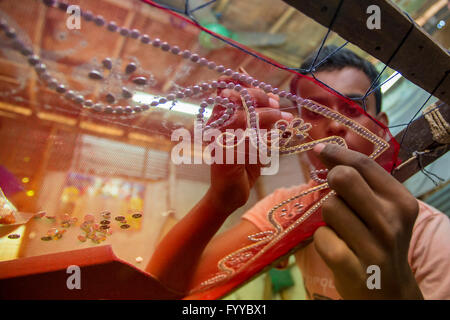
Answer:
(177, 256)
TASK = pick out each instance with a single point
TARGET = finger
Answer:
(347, 225)
(336, 254)
(332, 155)
(357, 194)
(268, 117)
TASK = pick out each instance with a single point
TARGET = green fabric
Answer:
(281, 279)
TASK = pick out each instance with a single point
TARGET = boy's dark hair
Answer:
(341, 59)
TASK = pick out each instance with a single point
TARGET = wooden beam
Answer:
(418, 147)
(400, 44)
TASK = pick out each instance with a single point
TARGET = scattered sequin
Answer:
(107, 63)
(14, 236)
(120, 218)
(125, 226)
(137, 215)
(139, 259)
(95, 75)
(131, 67)
(141, 81)
(46, 238)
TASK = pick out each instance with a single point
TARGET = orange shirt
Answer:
(428, 255)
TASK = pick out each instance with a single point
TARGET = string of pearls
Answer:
(41, 69)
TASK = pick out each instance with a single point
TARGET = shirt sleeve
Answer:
(430, 253)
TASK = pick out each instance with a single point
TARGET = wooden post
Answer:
(399, 43)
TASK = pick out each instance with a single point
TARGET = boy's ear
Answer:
(383, 118)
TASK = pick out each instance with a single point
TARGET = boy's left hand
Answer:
(369, 222)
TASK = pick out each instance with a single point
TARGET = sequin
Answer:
(110, 98)
(141, 81)
(105, 222)
(95, 75)
(46, 238)
(120, 218)
(14, 236)
(130, 68)
(137, 215)
(107, 63)
(125, 226)
(126, 93)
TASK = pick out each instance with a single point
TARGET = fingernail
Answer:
(318, 148)
(286, 115)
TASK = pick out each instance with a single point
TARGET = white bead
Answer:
(100, 21)
(211, 65)
(112, 26)
(204, 86)
(196, 89)
(145, 39)
(187, 92)
(202, 62)
(180, 95)
(128, 109)
(175, 50)
(170, 97)
(156, 42)
(154, 103)
(186, 54)
(124, 32)
(231, 85)
(195, 57)
(220, 68)
(135, 34)
(165, 46)
(228, 72)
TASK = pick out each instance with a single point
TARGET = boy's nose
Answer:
(335, 128)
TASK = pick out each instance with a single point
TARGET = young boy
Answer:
(373, 219)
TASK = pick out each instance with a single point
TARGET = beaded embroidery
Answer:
(289, 133)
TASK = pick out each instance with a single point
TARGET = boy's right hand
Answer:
(231, 183)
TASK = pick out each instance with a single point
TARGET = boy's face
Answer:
(350, 82)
